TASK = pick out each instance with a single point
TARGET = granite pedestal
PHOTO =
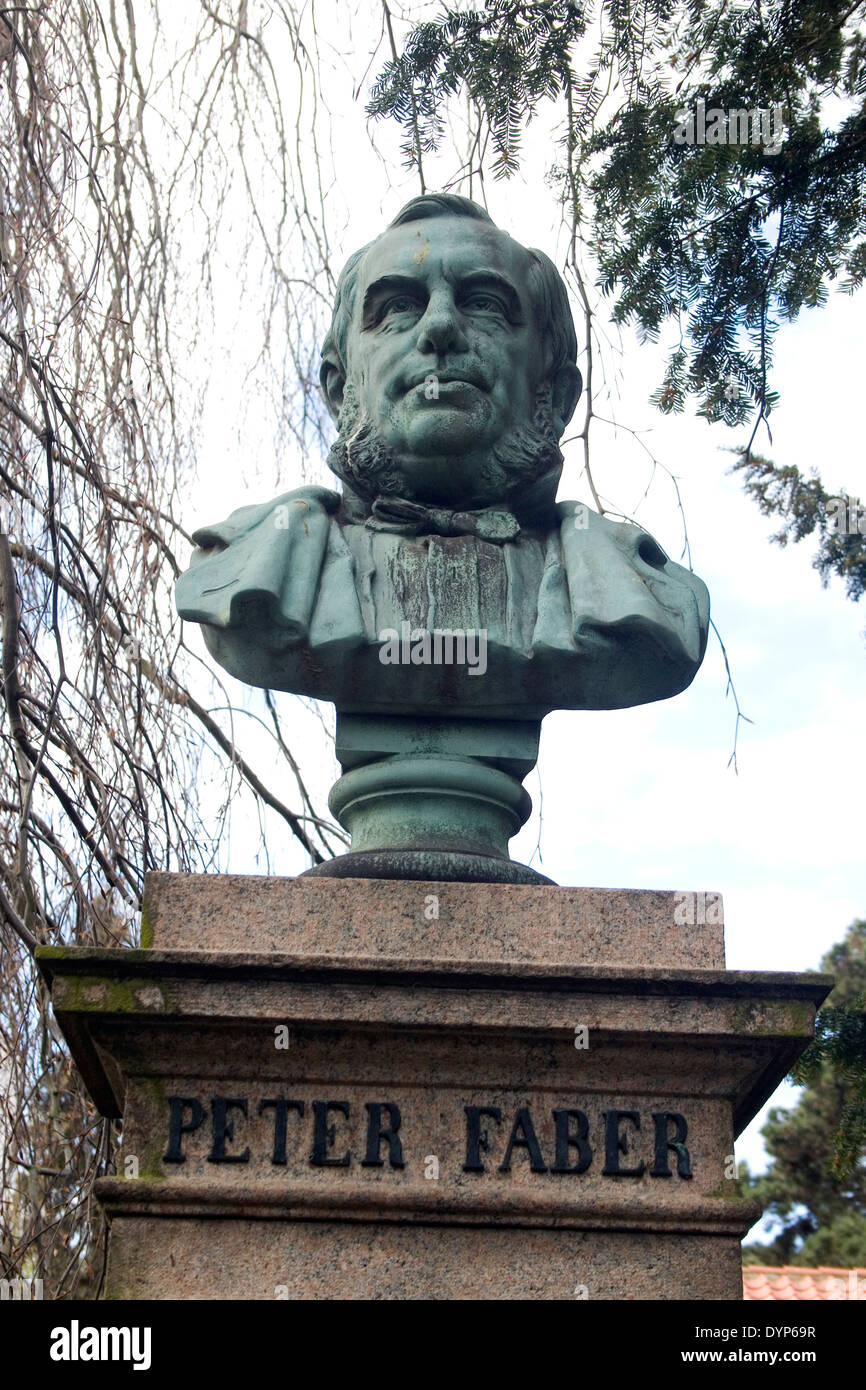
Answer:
(362, 1089)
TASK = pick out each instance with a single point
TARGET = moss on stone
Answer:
(146, 933)
(792, 1017)
(156, 1106)
(55, 952)
(98, 994)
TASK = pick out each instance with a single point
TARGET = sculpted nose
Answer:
(440, 329)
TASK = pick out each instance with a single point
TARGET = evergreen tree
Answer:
(816, 1184)
(698, 217)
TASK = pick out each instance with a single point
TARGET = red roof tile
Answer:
(765, 1283)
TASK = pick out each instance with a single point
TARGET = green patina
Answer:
(450, 371)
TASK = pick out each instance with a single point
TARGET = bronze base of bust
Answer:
(433, 866)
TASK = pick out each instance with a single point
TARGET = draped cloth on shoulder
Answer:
(262, 570)
(619, 577)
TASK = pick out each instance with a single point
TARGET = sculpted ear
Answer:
(567, 386)
(333, 381)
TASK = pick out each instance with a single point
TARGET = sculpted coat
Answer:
(450, 369)
(588, 615)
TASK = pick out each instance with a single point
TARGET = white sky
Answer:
(644, 798)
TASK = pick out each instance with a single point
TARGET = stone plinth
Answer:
(367, 1089)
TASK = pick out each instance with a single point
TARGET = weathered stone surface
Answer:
(349, 1099)
(392, 920)
(181, 1259)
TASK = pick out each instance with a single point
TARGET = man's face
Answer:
(444, 353)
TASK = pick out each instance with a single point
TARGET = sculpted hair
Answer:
(546, 287)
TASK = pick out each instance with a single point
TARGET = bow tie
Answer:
(413, 519)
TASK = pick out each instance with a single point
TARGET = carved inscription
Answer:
(619, 1143)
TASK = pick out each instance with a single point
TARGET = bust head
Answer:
(450, 365)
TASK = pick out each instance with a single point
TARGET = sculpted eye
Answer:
(400, 304)
(486, 303)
